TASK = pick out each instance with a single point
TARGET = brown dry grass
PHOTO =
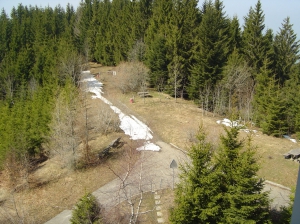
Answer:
(147, 212)
(172, 122)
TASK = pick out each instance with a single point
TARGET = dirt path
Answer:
(154, 173)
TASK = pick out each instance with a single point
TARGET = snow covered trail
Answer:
(129, 124)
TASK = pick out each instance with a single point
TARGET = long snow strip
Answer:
(129, 124)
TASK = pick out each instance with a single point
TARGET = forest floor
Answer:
(58, 188)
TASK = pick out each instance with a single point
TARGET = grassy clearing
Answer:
(175, 122)
(170, 121)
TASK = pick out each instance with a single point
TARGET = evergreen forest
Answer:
(192, 48)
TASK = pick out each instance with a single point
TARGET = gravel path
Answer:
(153, 173)
(156, 174)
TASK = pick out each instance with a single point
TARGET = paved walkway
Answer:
(155, 174)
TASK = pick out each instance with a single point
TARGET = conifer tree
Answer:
(261, 96)
(104, 49)
(254, 42)
(158, 42)
(87, 211)
(286, 49)
(242, 199)
(291, 92)
(184, 21)
(158, 63)
(195, 195)
(4, 34)
(222, 186)
(235, 39)
(269, 103)
(211, 49)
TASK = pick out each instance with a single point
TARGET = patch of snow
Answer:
(293, 140)
(129, 124)
(226, 120)
(289, 138)
(149, 147)
(229, 123)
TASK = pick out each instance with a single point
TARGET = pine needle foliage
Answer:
(221, 186)
(195, 194)
(87, 211)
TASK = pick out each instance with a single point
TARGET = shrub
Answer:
(132, 77)
(87, 211)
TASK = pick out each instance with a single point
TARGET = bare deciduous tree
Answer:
(137, 53)
(239, 86)
(70, 66)
(132, 175)
(107, 120)
(12, 211)
(63, 140)
(132, 77)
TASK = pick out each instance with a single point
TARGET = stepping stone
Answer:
(156, 197)
(158, 208)
(160, 220)
(158, 213)
(157, 202)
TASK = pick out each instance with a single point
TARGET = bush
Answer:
(132, 77)
(87, 211)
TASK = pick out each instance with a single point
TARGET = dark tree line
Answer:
(192, 48)
(38, 57)
(243, 72)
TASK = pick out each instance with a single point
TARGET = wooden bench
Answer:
(115, 143)
(105, 152)
(144, 94)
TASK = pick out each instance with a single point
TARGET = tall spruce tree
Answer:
(196, 196)
(222, 186)
(235, 39)
(4, 34)
(157, 34)
(184, 21)
(104, 48)
(291, 92)
(269, 103)
(254, 42)
(286, 49)
(210, 50)
(261, 97)
(242, 199)
(158, 63)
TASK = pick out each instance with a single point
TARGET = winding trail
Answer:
(152, 172)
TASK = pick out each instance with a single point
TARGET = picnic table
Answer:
(144, 94)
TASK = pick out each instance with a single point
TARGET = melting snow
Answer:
(149, 146)
(289, 138)
(129, 124)
(231, 124)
